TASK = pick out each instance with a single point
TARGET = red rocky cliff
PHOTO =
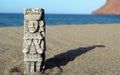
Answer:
(112, 7)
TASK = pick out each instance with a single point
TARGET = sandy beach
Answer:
(71, 50)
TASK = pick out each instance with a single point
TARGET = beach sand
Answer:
(71, 50)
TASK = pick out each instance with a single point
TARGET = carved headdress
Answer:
(33, 14)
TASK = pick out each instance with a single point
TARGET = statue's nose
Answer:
(32, 25)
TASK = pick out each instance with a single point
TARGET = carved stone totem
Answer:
(34, 45)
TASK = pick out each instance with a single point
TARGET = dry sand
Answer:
(71, 50)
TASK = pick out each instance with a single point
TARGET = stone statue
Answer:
(34, 45)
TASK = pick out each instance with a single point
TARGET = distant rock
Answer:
(112, 7)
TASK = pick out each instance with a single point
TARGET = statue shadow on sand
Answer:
(53, 65)
(64, 58)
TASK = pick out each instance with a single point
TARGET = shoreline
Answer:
(63, 25)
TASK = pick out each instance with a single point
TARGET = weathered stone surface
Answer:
(112, 7)
(34, 40)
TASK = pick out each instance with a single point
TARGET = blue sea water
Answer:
(9, 19)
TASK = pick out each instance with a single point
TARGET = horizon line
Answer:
(46, 13)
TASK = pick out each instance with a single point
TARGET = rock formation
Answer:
(112, 7)
(34, 40)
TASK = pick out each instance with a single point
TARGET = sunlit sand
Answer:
(71, 50)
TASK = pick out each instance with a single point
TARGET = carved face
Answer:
(33, 26)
